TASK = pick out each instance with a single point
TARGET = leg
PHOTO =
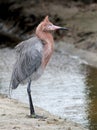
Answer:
(32, 112)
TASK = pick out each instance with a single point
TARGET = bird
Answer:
(33, 55)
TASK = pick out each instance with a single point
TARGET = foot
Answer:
(37, 116)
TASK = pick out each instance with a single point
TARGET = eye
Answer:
(49, 26)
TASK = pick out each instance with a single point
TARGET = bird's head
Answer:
(47, 26)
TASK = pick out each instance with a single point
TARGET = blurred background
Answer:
(69, 83)
(19, 18)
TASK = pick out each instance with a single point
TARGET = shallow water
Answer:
(68, 87)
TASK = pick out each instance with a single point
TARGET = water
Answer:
(68, 87)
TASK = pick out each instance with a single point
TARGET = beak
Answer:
(59, 28)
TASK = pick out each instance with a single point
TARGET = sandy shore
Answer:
(13, 116)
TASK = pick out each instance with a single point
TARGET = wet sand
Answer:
(13, 115)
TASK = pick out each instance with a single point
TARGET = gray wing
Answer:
(28, 61)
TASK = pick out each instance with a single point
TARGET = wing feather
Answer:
(28, 61)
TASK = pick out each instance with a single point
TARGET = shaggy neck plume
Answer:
(48, 43)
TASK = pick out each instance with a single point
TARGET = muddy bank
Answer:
(13, 115)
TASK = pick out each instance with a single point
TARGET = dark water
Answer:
(91, 94)
(68, 88)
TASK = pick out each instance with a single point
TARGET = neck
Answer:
(46, 37)
(48, 42)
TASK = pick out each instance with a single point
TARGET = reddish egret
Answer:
(33, 56)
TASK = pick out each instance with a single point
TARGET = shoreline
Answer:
(13, 115)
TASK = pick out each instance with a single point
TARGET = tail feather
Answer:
(13, 85)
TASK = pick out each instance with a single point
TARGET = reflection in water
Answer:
(91, 81)
(68, 88)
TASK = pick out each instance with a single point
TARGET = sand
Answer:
(14, 116)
